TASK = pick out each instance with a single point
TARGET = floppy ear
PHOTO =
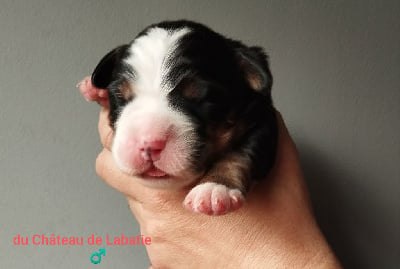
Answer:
(253, 62)
(108, 68)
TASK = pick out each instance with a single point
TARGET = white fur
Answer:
(148, 56)
(148, 115)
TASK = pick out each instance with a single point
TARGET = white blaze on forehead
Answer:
(148, 116)
(148, 58)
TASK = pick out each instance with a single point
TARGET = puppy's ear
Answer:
(109, 67)
(253, 62)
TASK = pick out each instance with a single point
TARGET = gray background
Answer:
(336, 66)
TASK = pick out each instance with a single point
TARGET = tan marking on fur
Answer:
(126, 90)
(221, 139)
(189, 90)
(254, 80)
(232, 171)
(224, 136)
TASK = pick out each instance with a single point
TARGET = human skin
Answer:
(275, 228)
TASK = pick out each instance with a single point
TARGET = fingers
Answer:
(112, 175)
(91, 93)
(138, 195)
(136, 207)
(86, 90)
(105, 130)
(102, 99)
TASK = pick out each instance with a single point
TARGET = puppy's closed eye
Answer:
(189, 106)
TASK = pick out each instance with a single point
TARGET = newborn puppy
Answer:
(189, 107)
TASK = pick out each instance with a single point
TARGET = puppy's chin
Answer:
(158, 179)
(167, 182)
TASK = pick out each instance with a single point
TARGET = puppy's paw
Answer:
(213, 199)
(91, 93)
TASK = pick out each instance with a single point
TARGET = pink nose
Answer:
(151, 150)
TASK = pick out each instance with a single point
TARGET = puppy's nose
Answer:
(151, 150)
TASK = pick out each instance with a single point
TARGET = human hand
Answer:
(274, 229)
(91, 93)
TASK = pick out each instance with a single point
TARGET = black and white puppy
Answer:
(190, 107)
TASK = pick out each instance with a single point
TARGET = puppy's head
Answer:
(181, 96)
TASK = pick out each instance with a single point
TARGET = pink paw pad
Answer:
(213, 199)
(91, 93)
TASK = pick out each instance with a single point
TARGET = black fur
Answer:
(217, 69)
(109, 74)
